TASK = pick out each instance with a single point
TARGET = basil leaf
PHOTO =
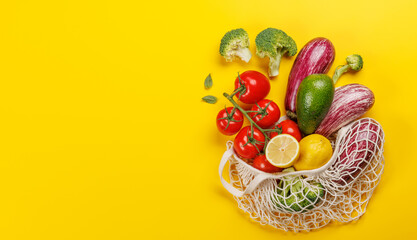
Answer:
(208, 82)
(210, 99)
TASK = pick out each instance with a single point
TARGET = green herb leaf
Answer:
(208, 82)
(210, 99)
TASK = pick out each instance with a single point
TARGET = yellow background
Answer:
(103, 134)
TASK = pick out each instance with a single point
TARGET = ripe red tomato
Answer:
(229, 121)
(248, 146)
(256, 87)
(267, 113)
(262, 164)
(288, 127)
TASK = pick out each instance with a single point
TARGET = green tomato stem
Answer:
(230, 98)
(239, 89)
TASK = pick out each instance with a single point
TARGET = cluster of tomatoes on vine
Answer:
(251, 87)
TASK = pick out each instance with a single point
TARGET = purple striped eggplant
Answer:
(349, 103)
(316, 57)
(362, 143)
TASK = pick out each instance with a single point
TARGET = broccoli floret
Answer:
(235, 43)
(294, 200)
(313, 194)
(293, 203)
(274, 43)
(287, 199)
(314, 191)
(290, 195)
(297, 196)
(354, 62)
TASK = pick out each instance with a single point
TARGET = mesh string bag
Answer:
(297, 201)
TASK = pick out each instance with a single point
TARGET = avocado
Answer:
(314, 98)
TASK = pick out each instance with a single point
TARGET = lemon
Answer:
(315, 151)
(282, 151)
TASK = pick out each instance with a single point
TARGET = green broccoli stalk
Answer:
(235, 43)
(354, 62)
(274, 43)
(297, 195)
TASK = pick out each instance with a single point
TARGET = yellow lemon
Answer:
(282, 151)
(315, 151)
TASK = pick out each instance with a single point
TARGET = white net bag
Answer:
(296, 201)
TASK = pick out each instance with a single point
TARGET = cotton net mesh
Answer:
(340, 193)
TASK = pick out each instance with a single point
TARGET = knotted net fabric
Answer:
(303, 203)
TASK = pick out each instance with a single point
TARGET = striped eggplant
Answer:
(316, 57)
(349, 103)
(362, 143)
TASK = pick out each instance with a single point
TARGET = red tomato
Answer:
(288, 127)
(262, 164)
(229, 121)
(267, 113)
(246, 146)
(256, 87)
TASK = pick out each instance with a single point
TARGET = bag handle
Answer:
(262, 176)
(229, 187)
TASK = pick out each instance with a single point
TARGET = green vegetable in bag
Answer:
(296, 195)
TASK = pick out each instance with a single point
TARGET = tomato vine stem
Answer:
(245, 113)
(238, 90)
